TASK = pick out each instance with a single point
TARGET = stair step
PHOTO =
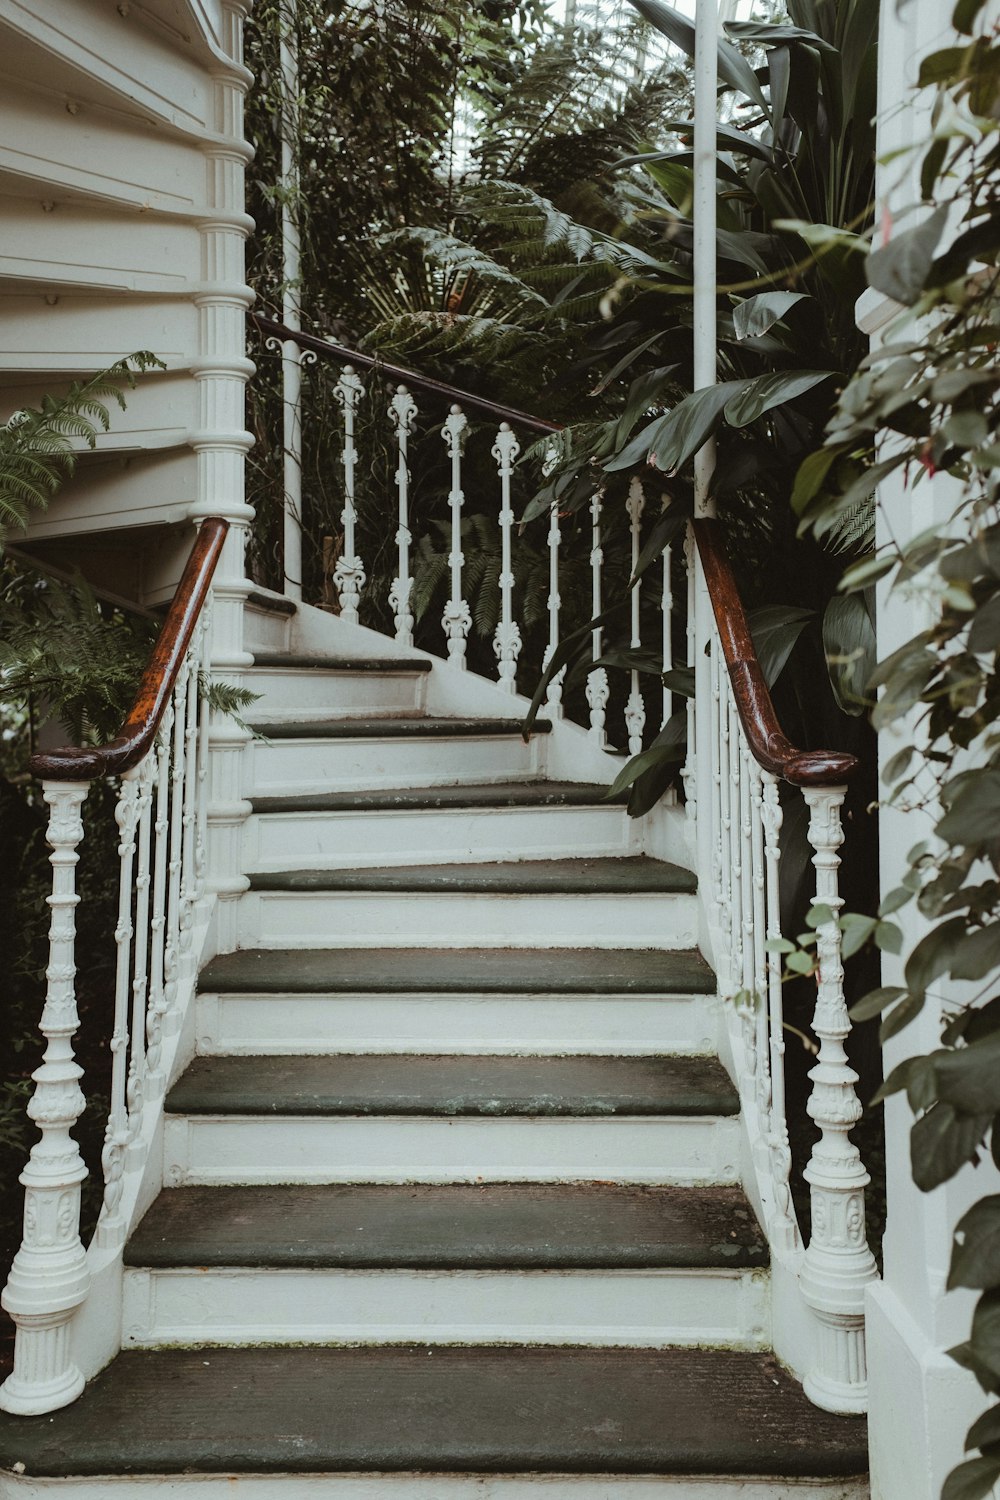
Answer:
(365, 1084)
(475, 971)
(506, 1264)
(625, 875)
(416, 727)
(416, 752)
(288, 661)
(506, 905)
(502, 1226)
(430, 1410)
(346, 1021)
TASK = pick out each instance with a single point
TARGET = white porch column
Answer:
(921, 1402)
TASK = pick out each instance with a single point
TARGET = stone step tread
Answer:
(472, 971)
(489, 796)
(493, 1226)
(392, 726)
(628, 875)
(276, 604)
(434, 1410)
(376, 664)
(401, 1084)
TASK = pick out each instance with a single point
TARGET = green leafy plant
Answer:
(36, 444)
(924, 403)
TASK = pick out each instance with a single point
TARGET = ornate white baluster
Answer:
(783, 1230)
(598, 687)
(403, 409)
(158, 925)
(111, 1226)
(192, 717)
(635, 708)
(758, 936)
(553, 697)
(668, 640)
(171, 957)
(746, 861)
(349, 573)
(48, 1279)
(713, 806)
(838, 1264)
(134, 1090)
(689, 774)
(723, 792)
(507, 640)
(204, 751)
(457, 618)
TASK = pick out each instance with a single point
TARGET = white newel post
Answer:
(838, 1265)
(48, 1280)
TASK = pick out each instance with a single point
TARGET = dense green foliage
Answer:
(925, 403)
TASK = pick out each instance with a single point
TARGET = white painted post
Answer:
(705, 374)
(457, 617)
(667, 608)
(48, 1280)
(782, 1229)
(507, 640)
(349, 573)
(553, 698)
(291, 274)
(403, 410)
(838, 1265)
(598, 688)
(635, 708)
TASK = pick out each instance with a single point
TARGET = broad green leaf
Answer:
(973, 815)
(850, 647)
(669, 746)
(900, 1017)
(733, 66)
(916, 1076)
(985, 1431)
(896, 765)
(963, 17)
(899, 269)
(984, 633)
(767, 391)
(985, 1337)
(755, 315)
(672, 439)
(774, 36)
(932, 955)
(969, 1077)
(941, 66)
(975, 1257)
(775, 630)
(941, 1142)
(868, 571)
(895, 901)
(811, 476)
(972, 1480)
(977, 954)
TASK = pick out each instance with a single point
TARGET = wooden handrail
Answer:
(768, 744)
(273, 330)
(136, 736)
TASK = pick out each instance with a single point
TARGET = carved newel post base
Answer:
(838, 1264)
(48, 1280)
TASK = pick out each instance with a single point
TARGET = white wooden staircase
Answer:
(452, 1200)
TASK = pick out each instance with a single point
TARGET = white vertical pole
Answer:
(705, 374)
(291, 355)
(635, 708)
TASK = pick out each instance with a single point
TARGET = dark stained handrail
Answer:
(136, 736)
(273, 330)
(768, 744)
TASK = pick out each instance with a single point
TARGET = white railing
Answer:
(160, 762)
(369, 421)
(738, 794)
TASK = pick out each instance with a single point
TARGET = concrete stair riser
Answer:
(282, 1024)
(447, 1487)
(414, 919)
(279, 841)
(414, 1148)
(646, 1308)
(285, 767)
(317, 693)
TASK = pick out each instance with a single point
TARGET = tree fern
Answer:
(37, 450)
